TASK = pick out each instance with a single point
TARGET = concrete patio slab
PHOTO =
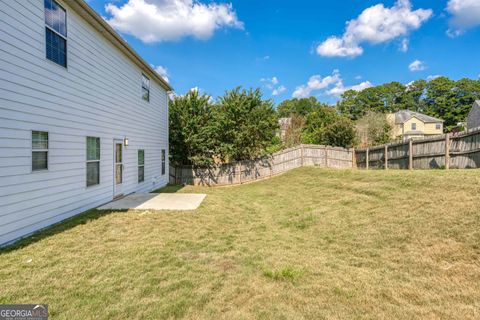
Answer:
(157, 201)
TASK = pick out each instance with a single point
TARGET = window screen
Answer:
(163, 161)
(141, 166)
(93, 161)
(56, 32)
(145, 88)
(39, 150)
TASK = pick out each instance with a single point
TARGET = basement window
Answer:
(56, 32)
(39, 150)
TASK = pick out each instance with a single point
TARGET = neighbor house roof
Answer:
(403, 116)
(92, 17)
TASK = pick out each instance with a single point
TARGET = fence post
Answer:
(386, 157)
(326, 157)
(410, 154)
(301, 154)
(239, 168)
(447, 151)
(354, 159)
(367, 158)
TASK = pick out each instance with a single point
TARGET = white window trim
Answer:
(140, 166)
(163, 162)
(39, 150)
(149, 88)
(91, 161)
(57, 33)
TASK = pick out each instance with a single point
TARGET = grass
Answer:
(310, 244)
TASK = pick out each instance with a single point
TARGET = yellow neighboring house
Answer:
(414, 125)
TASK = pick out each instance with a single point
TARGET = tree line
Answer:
(242, 125)
(440, 98)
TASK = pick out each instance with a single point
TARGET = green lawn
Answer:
(310, 244)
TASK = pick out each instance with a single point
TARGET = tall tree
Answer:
(246, 124)
(299, 107)
(192, 134)
(441, 98)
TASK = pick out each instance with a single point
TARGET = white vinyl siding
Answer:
(96, 97)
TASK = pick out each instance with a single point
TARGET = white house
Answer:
(83, 118)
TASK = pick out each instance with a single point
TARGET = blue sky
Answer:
(284, 47)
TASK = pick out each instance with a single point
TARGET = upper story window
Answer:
(145, 88)
(56, 32)
(438, 126)
(414, 126)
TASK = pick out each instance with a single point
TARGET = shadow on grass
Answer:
(67, 224)
(170, 188)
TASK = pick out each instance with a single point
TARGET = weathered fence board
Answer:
(247, 171)
(460, 151)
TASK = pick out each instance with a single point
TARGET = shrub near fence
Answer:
(251, 170)
(446, 151)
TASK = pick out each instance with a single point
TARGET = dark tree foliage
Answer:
(299, 107)
(245, 123)
(192, 136)
(340, 133)
(441, 98)
(240, 126)
(325, 126)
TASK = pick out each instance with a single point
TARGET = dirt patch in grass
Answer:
(310, 244)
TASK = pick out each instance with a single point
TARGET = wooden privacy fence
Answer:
(251, 170)
(446, 151)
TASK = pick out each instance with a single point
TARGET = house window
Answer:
(141, 166)
(93, 161)
(163, 161)
(145, 88)
(438, 126)
(39, 150)
(56, 32)
(414, 126)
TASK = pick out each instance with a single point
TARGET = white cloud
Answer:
(273, 85)
(433, 77)
(339, 88)
(339, 47)
(168, 20)
(332, 85)
(404, 45)
(465, 15)
(278, 91)
(315, 83)
(163, 72)
(376, 24)
(417, 65)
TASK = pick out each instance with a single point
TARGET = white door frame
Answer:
(118, 187)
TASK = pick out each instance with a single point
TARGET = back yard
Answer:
(312, 243)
